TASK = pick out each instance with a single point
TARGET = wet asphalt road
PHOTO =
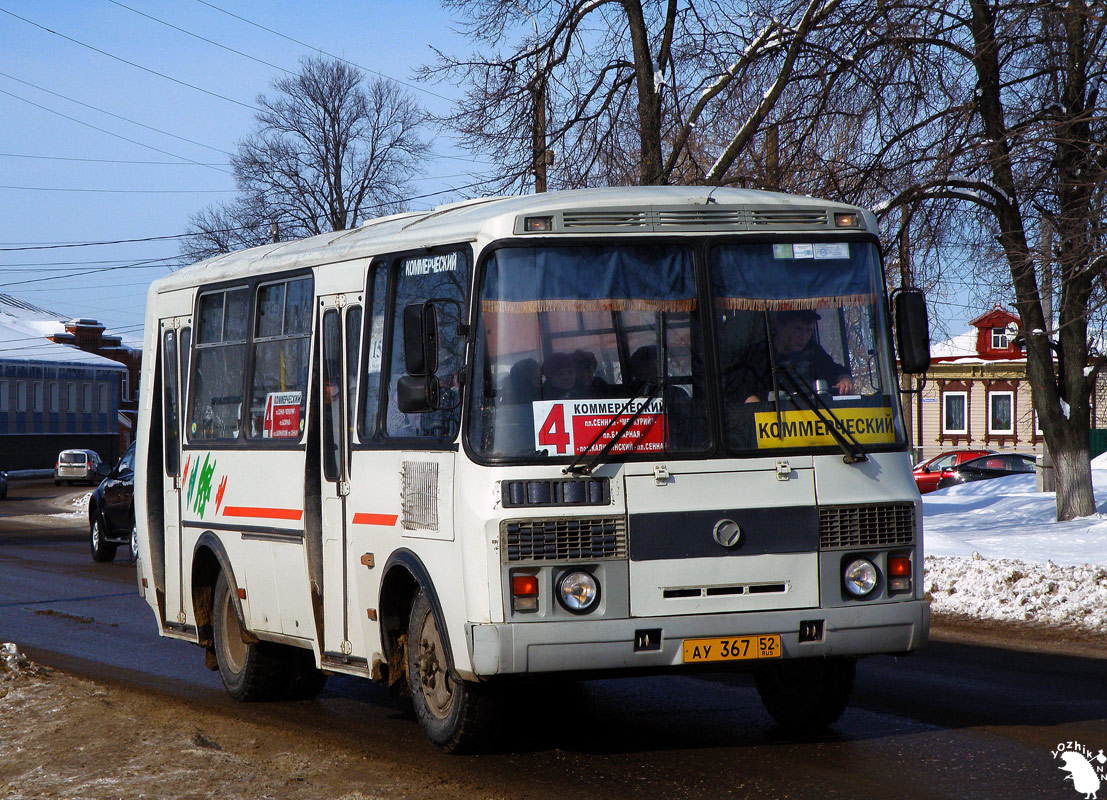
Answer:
(954, 721)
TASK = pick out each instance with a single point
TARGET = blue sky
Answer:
(59, 159)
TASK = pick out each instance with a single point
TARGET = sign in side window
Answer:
(440, 278)
(219, 365)
(282, 334)
(374, 353)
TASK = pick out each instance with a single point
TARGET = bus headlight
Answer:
(859, 577)
(578, 591)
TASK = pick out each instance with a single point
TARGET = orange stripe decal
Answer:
(263, 513)
(375, 519)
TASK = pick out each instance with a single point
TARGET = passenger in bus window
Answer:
(524, 382)
(795, 348)
(588, 383)
(560, 377)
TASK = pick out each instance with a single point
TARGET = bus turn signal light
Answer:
(524, 592)
(899, 573)
(899, 566)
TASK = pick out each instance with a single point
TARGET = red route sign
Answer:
(282, 416)
(562, 427)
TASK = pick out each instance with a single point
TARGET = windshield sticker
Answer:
(430, 265)
(804, 428)
(836, 250)
(563, 427)
(282, 416)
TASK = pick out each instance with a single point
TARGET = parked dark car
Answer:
(111, 511)
(996, 465)
(929, 474)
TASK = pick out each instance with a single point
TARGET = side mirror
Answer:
(421, 339)
(912, 331)
(103, 470)
(416, 394)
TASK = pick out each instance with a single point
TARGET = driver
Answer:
(794, 346)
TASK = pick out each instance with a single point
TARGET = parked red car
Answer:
(929, 473)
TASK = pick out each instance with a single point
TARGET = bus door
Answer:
(176, 339)
(340, 337)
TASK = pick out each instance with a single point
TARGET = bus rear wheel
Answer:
(457, 716)
(806, 694)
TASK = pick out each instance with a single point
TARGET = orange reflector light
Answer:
(846, 220)
(538, 224)
(524, 585)
(899, 566)
(241, 594)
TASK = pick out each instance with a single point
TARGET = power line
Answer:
(110, 114)
(198, 36)
(130, 63)
(116, 191)
(62, 245)
(324, 52)
(104, 130)
(111, 160)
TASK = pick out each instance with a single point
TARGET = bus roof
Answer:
(615, 210)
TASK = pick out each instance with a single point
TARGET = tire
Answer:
(457, 716)
(101, 550)
(305, 680)
(250, 670)
(134, 543)
(806, 694)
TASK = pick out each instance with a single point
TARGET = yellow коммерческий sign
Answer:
(804, 428)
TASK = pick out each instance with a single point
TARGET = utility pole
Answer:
(539, 154)
(274, 231)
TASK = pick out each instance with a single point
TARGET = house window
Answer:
(71, 398)
(37, 396)
(86, 395)
(954, 412)
(999, 339)
(55, 397)
(103, 398)
(1001, 417)
(125, 394)
(4, 396)
(20, 395)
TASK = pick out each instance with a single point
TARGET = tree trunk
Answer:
(1071, 461)
(649, 103)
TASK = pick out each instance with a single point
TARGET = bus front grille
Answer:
(866, 526)
(563, 539)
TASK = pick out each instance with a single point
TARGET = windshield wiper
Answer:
(853, 449)
(577, 468)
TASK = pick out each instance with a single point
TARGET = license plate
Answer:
(732, 648)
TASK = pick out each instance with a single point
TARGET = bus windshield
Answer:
(591, 348)
(801, 325)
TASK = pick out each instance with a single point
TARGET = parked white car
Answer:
(77, 465)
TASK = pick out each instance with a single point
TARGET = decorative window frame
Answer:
(964, 395)
(992, 395)
(999, 339)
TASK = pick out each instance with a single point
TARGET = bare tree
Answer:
(654, 91)
(1011, 131)
(328, 148)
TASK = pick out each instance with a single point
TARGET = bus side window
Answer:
(374, 355)
(219, 365)
(440, 278)
(169, 389)
(278, 385)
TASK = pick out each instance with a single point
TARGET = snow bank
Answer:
(994, 551)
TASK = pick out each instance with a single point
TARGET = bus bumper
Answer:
(656, 642)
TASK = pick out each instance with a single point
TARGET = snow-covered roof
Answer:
(23, 331)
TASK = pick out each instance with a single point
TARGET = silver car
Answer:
(76, 465)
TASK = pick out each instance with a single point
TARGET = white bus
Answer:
(584, 433)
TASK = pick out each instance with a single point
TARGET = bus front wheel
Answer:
(250, 670)
(806, 694)
(457, 716)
